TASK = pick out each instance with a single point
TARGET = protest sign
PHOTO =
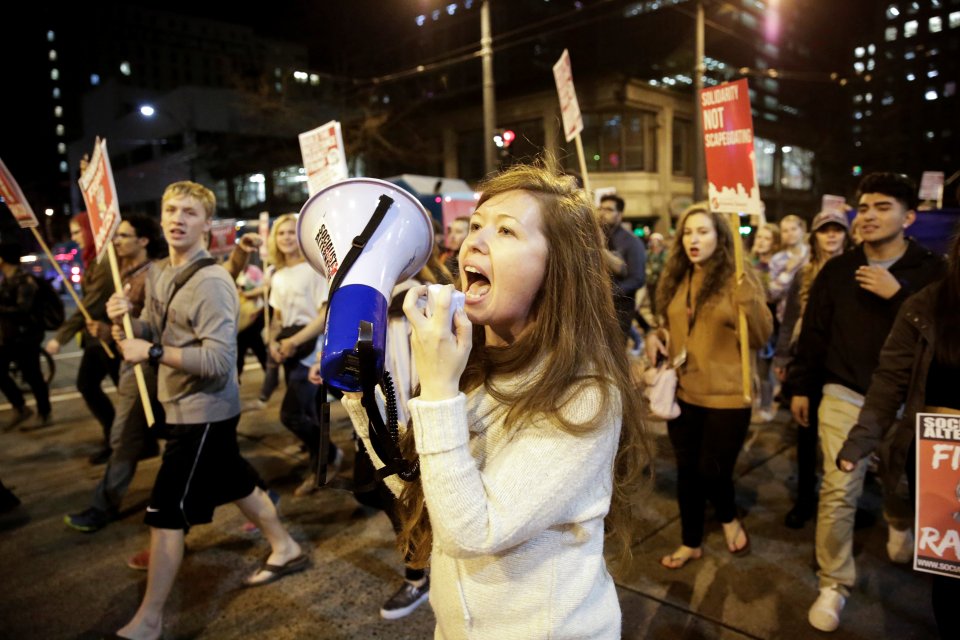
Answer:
(13, 196)
(937, 523)
(100, 195)
(931, 187)
(323, 156)
(223, 235)
(569, 105)
(728, 143)
(833, 203)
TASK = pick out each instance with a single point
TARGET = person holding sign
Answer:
(852, 305)
(188, 330)
(95, 365)
(919, 367)
(20, 336)
(528, 430)
(701, 299)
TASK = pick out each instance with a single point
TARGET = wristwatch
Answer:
(155, 353)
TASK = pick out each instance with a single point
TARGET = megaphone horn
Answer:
(364, 236)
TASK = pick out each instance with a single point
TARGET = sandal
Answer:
(276, 571)
(675, 561)
(745, 549)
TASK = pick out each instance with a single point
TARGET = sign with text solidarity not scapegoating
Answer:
(728, 144)
(569, 105)
(324, 158)
(100, 196)
(15, 200)
(937, 526)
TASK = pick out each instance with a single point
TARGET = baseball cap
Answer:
(826, 217)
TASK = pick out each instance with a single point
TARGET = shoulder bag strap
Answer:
(181, 280)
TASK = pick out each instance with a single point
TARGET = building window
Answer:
(290, 184)
(94, 79)
(935, 24)
(61, 148)
(771, 85)
(797, 168)
(683, 141)
(52, 55)
(748, 20)
(858, 66)
(949, 89)
(859, 52)
(910, 55)
(50, 36)
(54, 74)
(765, 152)
(910, 28)
(125, 68)
(912, 8)
(60, 130)
(954, 19)
(887, 99)
(770, 102)
(619, 141)
(871, 49)
(63, 166)
(58, 111)
(250, 190)
(890, 34)
(56, 93)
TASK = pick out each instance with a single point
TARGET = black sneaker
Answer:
(88, 521)
(405, 600)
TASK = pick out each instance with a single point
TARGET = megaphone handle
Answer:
(323, 417)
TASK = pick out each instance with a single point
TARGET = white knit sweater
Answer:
(517, 515)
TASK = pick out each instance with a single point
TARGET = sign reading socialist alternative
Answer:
(13, 196)
(324, 159)
(100, 195)
(937, 523)
(728, 142)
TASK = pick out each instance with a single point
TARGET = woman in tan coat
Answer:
(700, 297)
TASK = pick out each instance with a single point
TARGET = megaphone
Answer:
(364, 235)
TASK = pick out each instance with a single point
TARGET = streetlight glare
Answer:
(147, 111)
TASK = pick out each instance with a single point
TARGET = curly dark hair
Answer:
(720, 267)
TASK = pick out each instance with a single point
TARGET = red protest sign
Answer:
(223, 235)
(728, 142)
(937, 523)
(13, 196)
(100, 196)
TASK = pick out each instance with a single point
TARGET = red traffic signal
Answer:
(508, 137)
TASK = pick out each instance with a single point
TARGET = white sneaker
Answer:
(825, 612)
(900, 545)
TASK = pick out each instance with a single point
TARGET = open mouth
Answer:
(478, 285)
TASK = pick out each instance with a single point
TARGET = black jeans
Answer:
(95, 365)
(250, 339)
(25, 352)
(706, 443)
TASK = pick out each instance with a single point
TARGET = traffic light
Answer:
(857, 171)
(508, 137)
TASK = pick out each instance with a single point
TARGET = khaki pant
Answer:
(839, 493)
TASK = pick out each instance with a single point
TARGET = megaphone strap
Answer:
(360, 241)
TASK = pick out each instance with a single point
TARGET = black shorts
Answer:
(201, 469)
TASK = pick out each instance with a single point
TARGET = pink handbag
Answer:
(660, 392)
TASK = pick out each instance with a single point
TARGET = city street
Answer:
(59, 583)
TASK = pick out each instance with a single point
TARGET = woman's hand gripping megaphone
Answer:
(440, 353)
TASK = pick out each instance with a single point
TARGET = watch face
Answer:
(155, 352)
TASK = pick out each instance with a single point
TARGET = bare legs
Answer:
(259, 509)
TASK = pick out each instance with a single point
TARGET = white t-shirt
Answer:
(297, 292)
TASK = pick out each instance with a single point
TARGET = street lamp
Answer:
(149, 111)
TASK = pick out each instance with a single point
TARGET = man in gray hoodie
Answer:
(188, 329)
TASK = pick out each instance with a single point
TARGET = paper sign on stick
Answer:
(833, 203)
(931, 185)
(569, 105)
(937, 526)
(728, 142)
(323, 156)
(223, 235)
(100, 196)
(13, 196)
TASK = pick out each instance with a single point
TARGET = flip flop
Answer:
(745, 549)
(277, 571)
(673, 558)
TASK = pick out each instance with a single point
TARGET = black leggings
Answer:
(25, 351)
(95, 365)
(706, 443)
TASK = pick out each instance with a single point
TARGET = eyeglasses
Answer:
(124, 236)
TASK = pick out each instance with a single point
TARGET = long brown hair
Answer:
(572, 343)
(720, 268)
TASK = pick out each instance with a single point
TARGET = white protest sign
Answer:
(833, 203)
(569, 106)
(323, 156)
(931, 186)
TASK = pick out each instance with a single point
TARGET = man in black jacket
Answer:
(852, 305)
